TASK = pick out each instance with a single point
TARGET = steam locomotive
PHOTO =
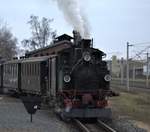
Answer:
(75, 80)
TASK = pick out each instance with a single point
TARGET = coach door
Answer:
(52, 76)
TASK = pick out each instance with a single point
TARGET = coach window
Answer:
(12, 69)
(22, 69)
(38, 69)
(6, 69)
(25, 69)
(35, 69)
(30, 69)
(15, 69)
(9, 69)
(12, 72)
(31, 66)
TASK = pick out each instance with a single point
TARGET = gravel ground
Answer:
(14, 118)
(125, 125)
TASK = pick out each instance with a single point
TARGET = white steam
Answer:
(75, 16)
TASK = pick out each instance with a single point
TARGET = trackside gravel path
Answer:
(14, 118)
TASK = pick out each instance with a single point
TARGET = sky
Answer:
(113, 23)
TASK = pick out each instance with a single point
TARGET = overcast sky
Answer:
(113, 22)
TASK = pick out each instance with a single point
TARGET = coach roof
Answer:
(38, 59)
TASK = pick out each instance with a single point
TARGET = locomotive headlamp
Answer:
(107, 78)
(67, 78)
(86, 56)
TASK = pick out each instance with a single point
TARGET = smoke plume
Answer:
(75, 16)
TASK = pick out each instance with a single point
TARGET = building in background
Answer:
(118, 68)
(115, 67)
(146, 67)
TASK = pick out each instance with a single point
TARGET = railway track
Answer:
(99, 126)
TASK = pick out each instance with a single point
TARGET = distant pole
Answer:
(122, 70)
(133, 71)
(147, 69)
(127, 76)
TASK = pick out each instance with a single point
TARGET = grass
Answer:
(136, 105)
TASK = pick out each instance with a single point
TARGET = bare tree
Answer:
(42, 33)
(8, 43)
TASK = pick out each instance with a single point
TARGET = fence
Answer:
(137, 83)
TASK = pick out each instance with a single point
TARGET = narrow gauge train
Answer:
(76, 80)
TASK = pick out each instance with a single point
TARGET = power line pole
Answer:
(147, 70)
(127, 73)
(122, 70)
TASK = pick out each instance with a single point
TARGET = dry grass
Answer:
(136, 105)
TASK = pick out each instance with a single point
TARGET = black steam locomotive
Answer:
(75, 80)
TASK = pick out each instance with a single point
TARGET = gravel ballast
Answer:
(125, 125)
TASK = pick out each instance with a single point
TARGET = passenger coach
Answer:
(11, 75)
(38, 76)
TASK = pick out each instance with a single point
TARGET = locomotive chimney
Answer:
(77, 37)
(84, 43)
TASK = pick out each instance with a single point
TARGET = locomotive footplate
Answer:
(89, 113)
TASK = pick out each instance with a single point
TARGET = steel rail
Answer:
(81, 126)
(101, 126)
(105, 126)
